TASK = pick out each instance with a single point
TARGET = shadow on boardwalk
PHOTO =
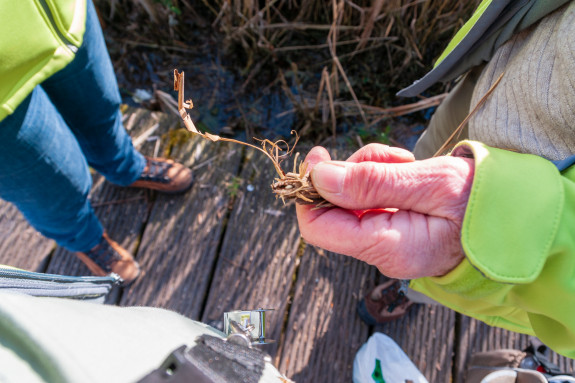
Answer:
(229, 244)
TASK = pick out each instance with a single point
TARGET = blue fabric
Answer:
(566, 163)
(69, 122)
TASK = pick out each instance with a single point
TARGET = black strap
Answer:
(211, 360)
(176, 369)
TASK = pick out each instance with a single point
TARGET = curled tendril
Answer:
(294, 185)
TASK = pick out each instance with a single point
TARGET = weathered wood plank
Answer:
(323, 331)
(180, 243)
(564, 363)
(426, 334)
(257, 260)
(477, 336)
(20, 244)
(201, 259)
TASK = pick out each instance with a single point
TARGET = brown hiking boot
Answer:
(165, 176)
(384, 303)
(109, 257)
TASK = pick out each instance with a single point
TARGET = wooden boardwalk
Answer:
(229, 244)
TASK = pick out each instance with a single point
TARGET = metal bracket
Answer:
(249, 323)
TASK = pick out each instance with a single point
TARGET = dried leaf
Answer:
(212, 137)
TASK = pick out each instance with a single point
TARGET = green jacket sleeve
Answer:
(519, 241)
(38, 39)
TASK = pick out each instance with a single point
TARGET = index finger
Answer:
(316, 155)
(381, 153)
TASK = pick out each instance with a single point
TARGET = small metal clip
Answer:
(249, 323)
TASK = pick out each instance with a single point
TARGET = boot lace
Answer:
(104, 255)
(156, 171)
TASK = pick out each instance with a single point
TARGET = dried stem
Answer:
(294, 185)
(457, 131)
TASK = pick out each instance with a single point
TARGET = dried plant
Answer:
(448, 143)
(295, 185)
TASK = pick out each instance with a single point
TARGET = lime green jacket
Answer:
(519, 242)
(518, 233)
(39, 37)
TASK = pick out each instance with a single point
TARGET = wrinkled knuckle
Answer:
(368, 182)
(375, 151)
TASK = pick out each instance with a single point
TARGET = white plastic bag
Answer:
(382, 360)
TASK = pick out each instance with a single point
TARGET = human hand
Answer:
(421, 238)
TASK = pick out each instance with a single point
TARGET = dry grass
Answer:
(335, 59)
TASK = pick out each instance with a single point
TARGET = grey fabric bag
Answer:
(88, 288)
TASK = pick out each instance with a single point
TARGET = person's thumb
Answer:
(436, 186)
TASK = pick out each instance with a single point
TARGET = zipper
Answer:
(61, 36)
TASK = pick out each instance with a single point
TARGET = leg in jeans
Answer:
(68, 122)
(86, 95)
(44, 173)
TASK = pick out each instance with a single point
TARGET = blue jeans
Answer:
(69, 122)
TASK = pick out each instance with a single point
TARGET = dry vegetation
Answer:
(295, 185)
(339, 62)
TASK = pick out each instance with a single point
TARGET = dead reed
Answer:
(401, 38)
(295, 185)
(337, 60)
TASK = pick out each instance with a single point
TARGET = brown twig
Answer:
(457, 131)
(402, 110)
(295, 185)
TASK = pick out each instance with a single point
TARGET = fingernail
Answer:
(396, 150)
(401, 152)
(329, 177)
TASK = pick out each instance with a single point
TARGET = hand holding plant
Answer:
(401, 215)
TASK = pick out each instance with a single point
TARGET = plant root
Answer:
(297, 185)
